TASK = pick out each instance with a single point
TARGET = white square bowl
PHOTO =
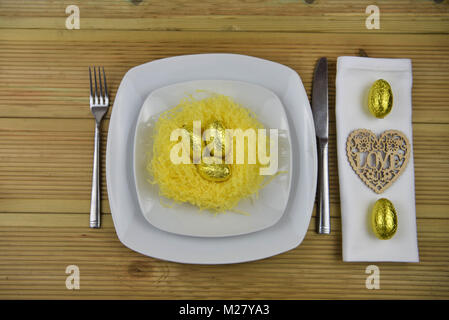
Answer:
(186, 219)
(137, 233)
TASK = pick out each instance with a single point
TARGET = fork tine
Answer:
(105, 86)
(90, 80)
(96, 87)
(100, 86)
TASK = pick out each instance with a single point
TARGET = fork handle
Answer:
(95, 196)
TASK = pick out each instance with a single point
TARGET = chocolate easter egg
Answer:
(196, 143)
(214, 172)
(384, 219)
(217, 139)
(380, 98)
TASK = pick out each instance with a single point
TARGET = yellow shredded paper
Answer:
(182, 182)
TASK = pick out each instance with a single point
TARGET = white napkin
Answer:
(355, 76)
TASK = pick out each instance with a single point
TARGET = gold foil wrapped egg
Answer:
(384, 219)
(380, 98)
(214, 172)
(217, 139)
(196, 142)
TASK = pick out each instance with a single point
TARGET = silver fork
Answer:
(99, 103)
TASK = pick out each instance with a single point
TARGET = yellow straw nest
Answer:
(182, 182)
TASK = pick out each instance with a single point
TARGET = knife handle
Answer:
(324, 223)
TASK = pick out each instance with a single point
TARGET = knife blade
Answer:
(320, 111)
(320, 108)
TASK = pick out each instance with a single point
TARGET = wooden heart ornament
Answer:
(378, 161)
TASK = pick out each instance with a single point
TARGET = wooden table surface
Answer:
(46, 142)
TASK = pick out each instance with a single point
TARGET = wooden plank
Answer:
(40, 35)
(49, 206)
(139, 8)
(281, 16)
(44, 208)
(34, 260)
(62, 57)
(330, 23)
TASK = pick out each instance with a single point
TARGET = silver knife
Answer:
(320, 110)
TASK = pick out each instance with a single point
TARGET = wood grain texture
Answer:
(346, 16)
(52, 159)
(62, 58)
(36, 253)
(46, 142)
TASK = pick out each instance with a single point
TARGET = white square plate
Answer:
(137, 233)
(186, 219)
